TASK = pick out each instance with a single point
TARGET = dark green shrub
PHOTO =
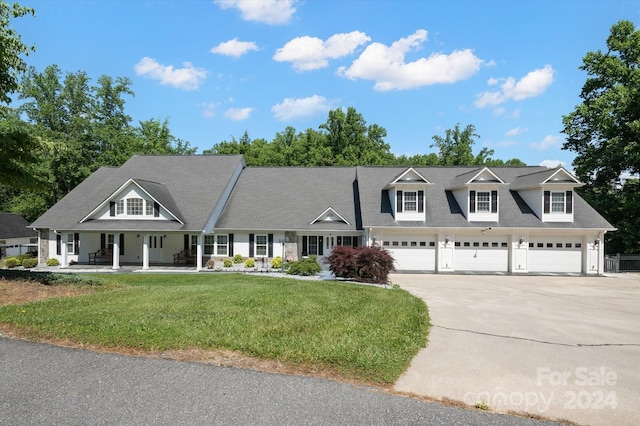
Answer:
(22, 257)
(53, 262)
(238, 258)
(10, 262)
(30, 263)
(49, 278)
(304, 267)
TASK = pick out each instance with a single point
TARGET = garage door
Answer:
(481, 254)
(412, 253)
(555, 254)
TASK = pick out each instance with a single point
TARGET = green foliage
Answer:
(238, 258)
(276, 262)
(359, 332)
(10, 262)
(455, 148)
(304, 267)
(604, 131)
(12, 65)
(53, 262)
(250, 263)
(50, 278)
(30, 263)
(21, 257)
(227, 263)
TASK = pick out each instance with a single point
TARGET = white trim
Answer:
(322, 217)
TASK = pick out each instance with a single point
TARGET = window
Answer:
(194, 243)
(395, 243)
(345, 241)
(557, 202)
(261, 245)
(457, 244)
(222, 244)
(483, 202)
(120, 207)
(410, 201)
(466, 244)
(432, 243)
(385, 243)
(312, 245)
(414, 244)
(404, 244)
(423, 243)
(134, 206)
(148, 208)
(568, 245)
(110, 239)
(209, 244)
(70, 244)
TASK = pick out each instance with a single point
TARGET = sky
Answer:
(215, 69)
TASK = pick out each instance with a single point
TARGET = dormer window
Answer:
(483, 201)
(557, 202)
(134, 206)
(410, 201)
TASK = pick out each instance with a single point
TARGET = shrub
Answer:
(238, 258)
(370, 264)
(249, 263)
(210, 264)
(276, 262)
(30, 263)
(305, 267)
(20, 258)
(53, 262)
(227, 263)
(50, 278)
(10, 262)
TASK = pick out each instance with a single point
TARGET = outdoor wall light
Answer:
(597, 241)
(521, 240)
(446, 240)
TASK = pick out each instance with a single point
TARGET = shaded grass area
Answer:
(360, 332)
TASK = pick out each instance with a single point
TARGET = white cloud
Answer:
(302, 107)
(309, 53)
(209, 109)
(549, 141)
(552, 164)
(532, 84)
(272, 12)
(516, 131)
(238, 114)
(186, 78)
(234, 48)
(387, 67)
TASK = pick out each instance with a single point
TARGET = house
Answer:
(164, 209)
(16, 237)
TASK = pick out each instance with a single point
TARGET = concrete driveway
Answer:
(557, 346)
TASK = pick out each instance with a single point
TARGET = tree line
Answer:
(67, 126)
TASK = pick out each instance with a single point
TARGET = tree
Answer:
(604, 132)
(455, 148)
(12, 65)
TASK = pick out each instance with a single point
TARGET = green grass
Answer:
(361, 332)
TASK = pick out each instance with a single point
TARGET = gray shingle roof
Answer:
(194, 183)
(291, 198)
(15, 226)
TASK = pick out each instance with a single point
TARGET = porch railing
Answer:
(622, 263)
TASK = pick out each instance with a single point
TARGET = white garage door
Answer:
(481, 254)
(412, 253)
(555, 254)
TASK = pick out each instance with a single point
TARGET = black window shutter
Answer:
(121, 244)
(251, 243)
(355, 242)
(103, 240)
(112, 208)
(339, 240)
(494, 201)
(58, 244)
(304, 245)
(186, 241)
(76, 243)
(230, 242)
(472, 201)
(270, 252)
(321, 245)
(399, 201)
(156, 209)
(569, 202)
(547, 201)
(420, 201)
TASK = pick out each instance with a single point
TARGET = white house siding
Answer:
(412, 253)
(555, 254)
(481, 253)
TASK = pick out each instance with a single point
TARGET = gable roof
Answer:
(475, 176)
(292, 198)
(192, 186)
(442, 209)
(545, 176)
(13, 225)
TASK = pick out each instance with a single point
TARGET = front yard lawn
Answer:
(358, 332)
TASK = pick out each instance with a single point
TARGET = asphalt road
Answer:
(48, 385)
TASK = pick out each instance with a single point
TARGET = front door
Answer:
(156, 252)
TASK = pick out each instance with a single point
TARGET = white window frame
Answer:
(70, 244)
(261, 248)
(120, 208)
(222, 242)
(148, 208)
(483, 201)
(313, 242)
(410, 201)
(209, 244)
(556, 203)
(135, 207)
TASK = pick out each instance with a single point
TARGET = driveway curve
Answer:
(564, 347)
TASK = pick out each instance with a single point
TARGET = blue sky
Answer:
(217, 68)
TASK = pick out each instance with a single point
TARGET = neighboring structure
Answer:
(161, 209)
(16, 237)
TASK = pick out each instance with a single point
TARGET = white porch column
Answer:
(199, 253)
(145, 251)
(116, 251)
(63, 249)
